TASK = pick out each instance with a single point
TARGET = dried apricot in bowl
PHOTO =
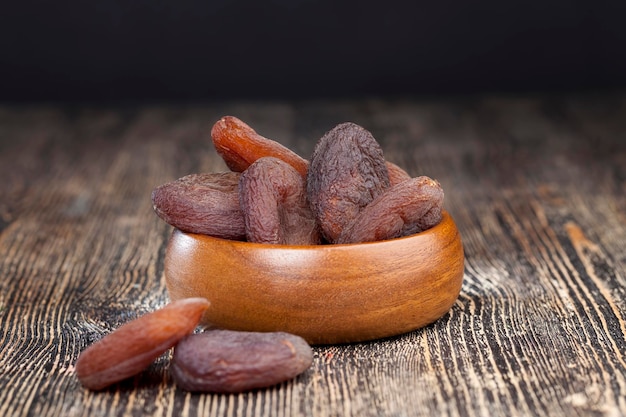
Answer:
(325, 293)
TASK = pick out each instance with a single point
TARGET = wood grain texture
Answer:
(537, 188)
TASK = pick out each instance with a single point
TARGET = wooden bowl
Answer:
(326, 293)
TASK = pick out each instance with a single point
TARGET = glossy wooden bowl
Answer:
(326, 293)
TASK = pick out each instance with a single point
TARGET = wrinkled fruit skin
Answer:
(276, 197)
(240, 145)
(225, 361)
(409, 207)
(347, 171)
(272, 196)
(396, 174)
(202, 203)
(134, 346)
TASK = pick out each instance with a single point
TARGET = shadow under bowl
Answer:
(325, 293)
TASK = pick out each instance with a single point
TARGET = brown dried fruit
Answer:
(135, 345)
(410, 207)
(239, 145)
(346, 173)
(396, 174)
(273, 199)
(229, 361)
(202, 203)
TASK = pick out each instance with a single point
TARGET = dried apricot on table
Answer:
(135, 345)
(226, 361)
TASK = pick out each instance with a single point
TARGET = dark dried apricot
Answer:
(202, 203)
(227, 361)
(410, 207)
(346, 173)
(273, 198)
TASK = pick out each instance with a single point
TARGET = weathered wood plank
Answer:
(536, 185)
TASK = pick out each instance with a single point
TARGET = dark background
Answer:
(103, 51)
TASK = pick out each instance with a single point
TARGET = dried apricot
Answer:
(227, 361)
(135, 345)
(410, 207)
(240, 145)
(396, 173)
(273, 199)
(202, 203)
(346, 173)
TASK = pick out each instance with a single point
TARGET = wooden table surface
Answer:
(536, 185)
